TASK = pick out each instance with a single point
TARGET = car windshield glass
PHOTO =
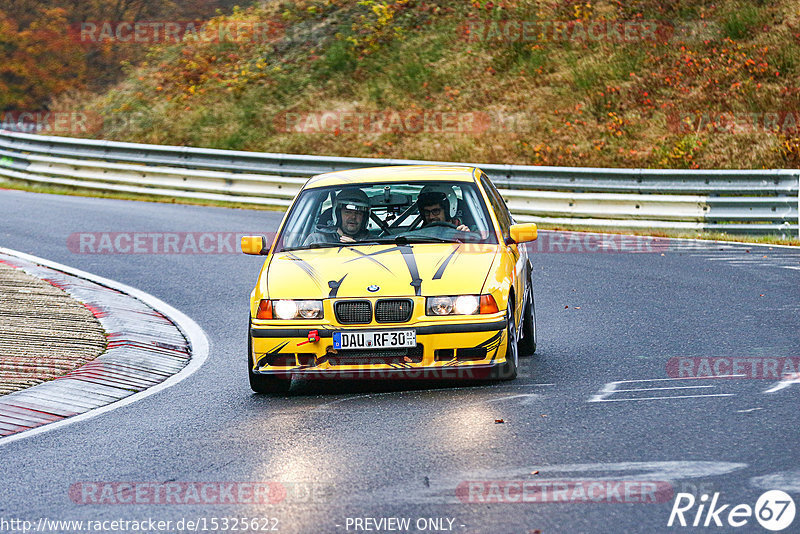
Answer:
(418, 212)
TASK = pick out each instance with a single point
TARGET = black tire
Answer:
(264, 383)
(527, 345)
(508, 369)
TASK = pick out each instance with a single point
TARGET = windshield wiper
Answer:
(403, 239)
(319, 245)
(398, 240)
(344, 244)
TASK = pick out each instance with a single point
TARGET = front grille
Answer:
(374, 357)
(353, 311)
(393, 310)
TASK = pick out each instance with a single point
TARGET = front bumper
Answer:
(444, 350)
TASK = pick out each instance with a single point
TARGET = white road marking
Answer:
(610, 389)
(749, 410)
(784, 383)
(660, 389)
(667, 398)
(676, 378)
(782, 480)
(194, 334)
(746, 254)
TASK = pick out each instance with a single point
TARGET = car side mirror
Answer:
(255, 245)
(522, 233)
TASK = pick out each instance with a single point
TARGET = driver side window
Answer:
(324, 218)
(498, 205)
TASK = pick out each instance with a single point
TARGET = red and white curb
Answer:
(151, 346)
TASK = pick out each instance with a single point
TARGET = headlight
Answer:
(285, 309)
(293, 309)
(467, 305)
(439, 306)
(460, 305)
(309, 309)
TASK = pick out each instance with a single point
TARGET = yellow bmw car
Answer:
(392, 272)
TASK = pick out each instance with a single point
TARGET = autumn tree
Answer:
(40, 57)
(39, 61)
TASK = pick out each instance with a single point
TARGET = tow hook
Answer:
(313, 337)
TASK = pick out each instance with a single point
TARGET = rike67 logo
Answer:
(774, 510)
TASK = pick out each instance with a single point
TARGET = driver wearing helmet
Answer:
(434, 206)
(350, 214)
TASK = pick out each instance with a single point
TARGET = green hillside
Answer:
(641, 83)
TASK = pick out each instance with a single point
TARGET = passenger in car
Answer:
(434, 206)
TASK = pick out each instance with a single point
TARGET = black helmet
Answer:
(352, 199)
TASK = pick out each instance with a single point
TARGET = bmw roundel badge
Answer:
(373, 288)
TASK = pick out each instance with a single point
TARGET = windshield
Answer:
(418, 212)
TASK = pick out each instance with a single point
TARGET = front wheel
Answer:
(264, 383)
(508, 369)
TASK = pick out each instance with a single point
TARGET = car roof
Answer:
(399, 173)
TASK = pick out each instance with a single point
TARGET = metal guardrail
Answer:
(734, 201)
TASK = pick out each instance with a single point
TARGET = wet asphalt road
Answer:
(401, 450)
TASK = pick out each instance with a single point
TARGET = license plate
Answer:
(375, 339)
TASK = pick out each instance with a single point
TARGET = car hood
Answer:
(396, 270)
